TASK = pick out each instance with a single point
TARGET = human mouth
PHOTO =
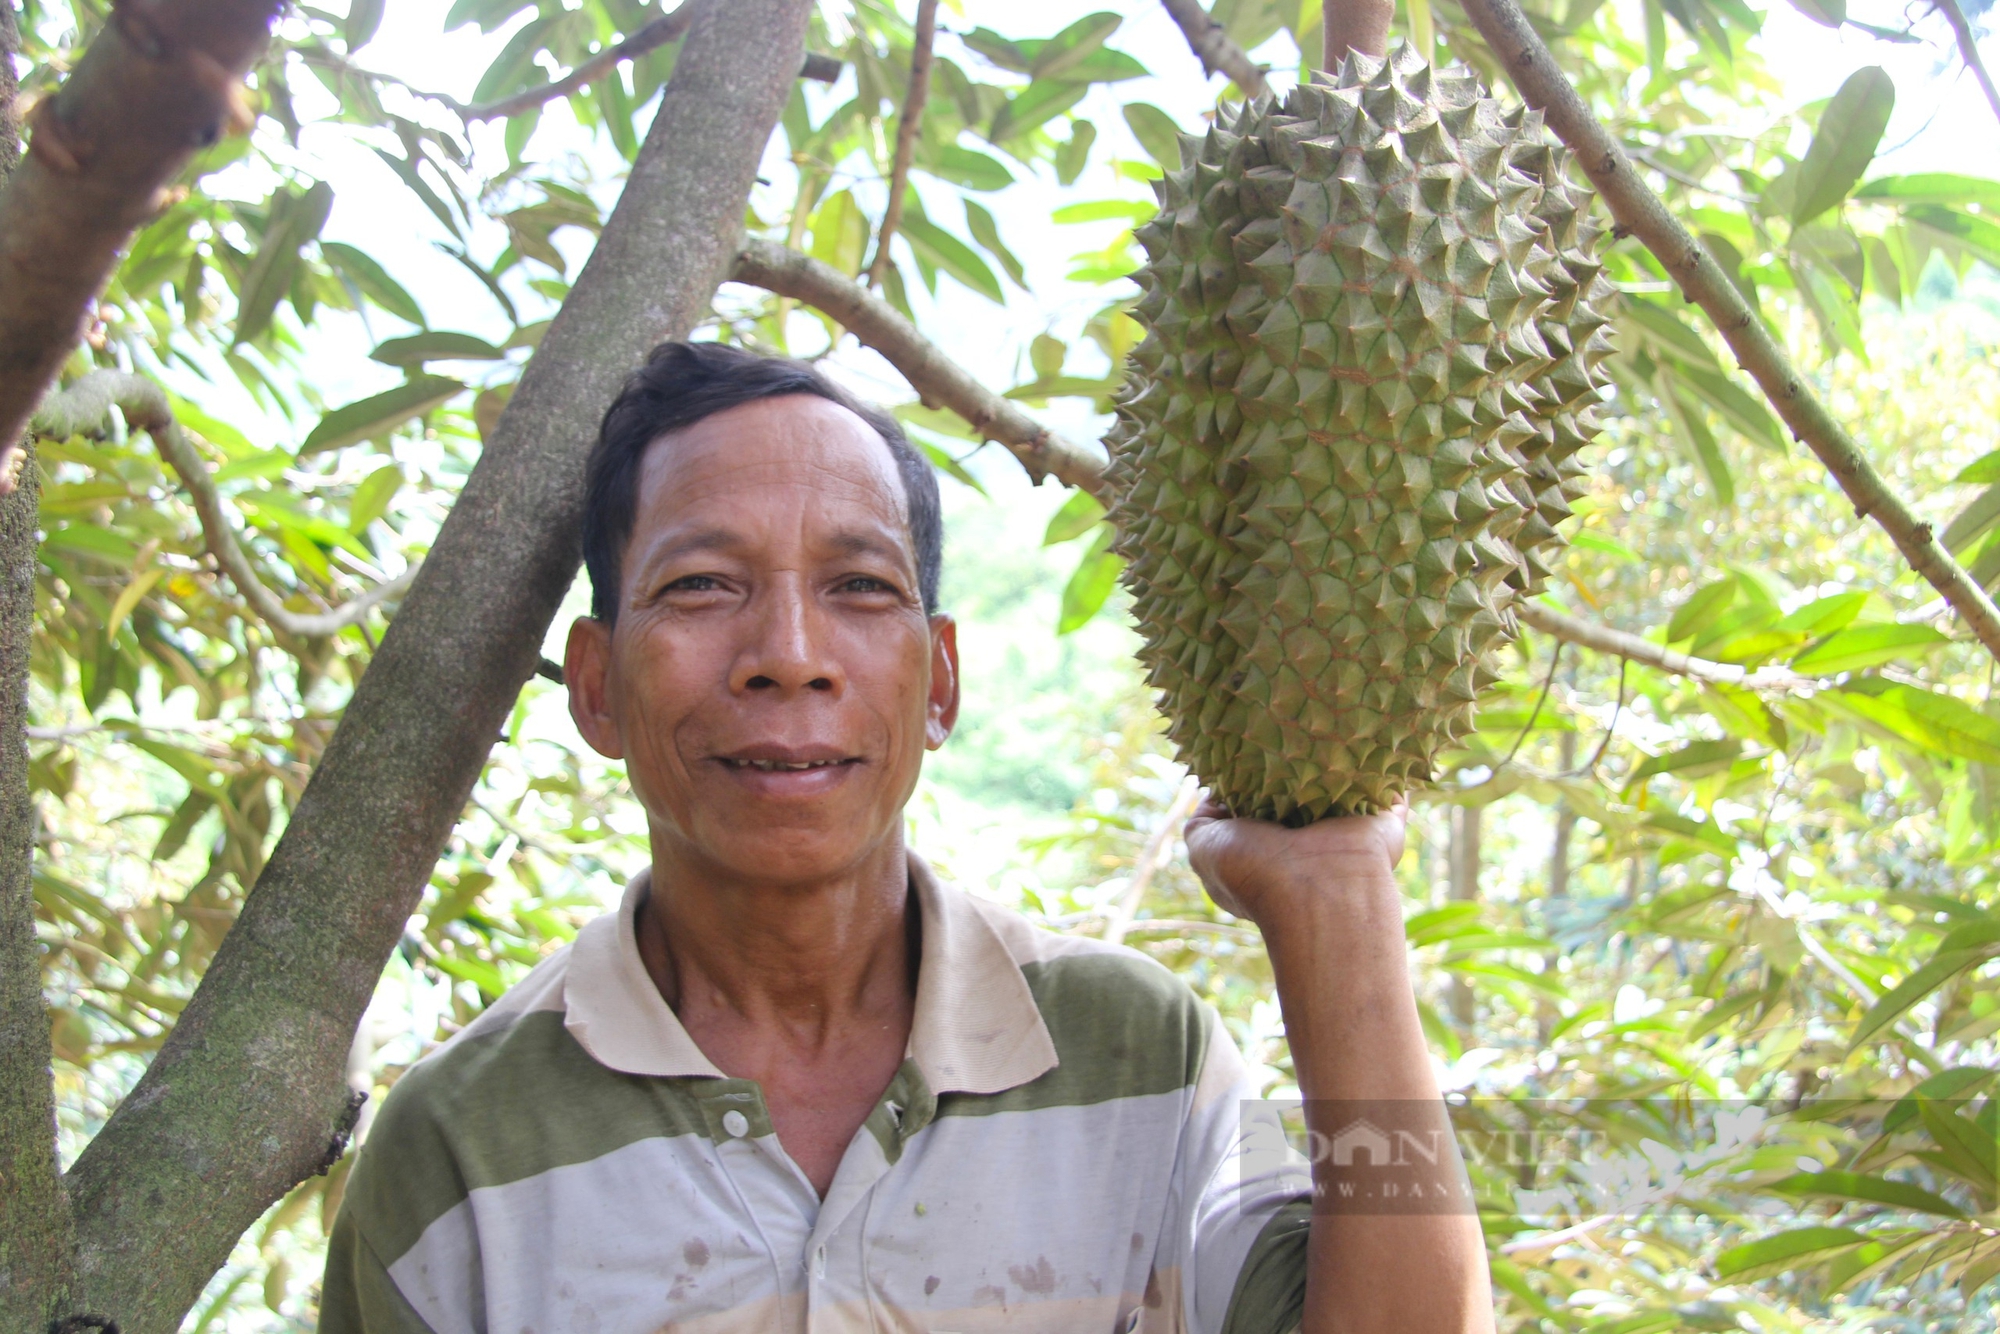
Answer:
(782, 766)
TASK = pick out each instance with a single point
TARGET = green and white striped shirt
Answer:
(1064, 1148)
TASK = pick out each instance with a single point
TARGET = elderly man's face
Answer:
(772, 681)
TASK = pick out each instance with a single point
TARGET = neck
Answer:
(807, 958)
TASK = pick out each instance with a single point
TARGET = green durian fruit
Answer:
(1372, 356)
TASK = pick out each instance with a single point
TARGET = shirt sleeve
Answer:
(1246, 1205)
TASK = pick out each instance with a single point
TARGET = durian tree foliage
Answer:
(1780, 895)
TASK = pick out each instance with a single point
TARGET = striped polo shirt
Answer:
(1066, 1147)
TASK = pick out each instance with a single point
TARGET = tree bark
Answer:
(35, 1240)
(247, 1096)
(161, 81)
(907, 128)
(1213, 47)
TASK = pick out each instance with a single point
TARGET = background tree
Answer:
(1771, 744)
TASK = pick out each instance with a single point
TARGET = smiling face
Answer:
(772, 679)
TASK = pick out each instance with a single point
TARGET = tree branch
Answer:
(906, 136)
(1641, 212)
(1159, 848)
(1604, 639)
(1212, 45)
(1968, 50)
(37, 1243)
(936, 378)
(258, 1057)
(159, 82)
(80, 410)
(1354, 25)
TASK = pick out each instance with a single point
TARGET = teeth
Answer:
(779, 766)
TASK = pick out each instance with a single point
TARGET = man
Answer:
(796, 1083)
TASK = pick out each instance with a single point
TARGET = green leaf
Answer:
(514, 68)
(1062, 53)
(372, 497)
(436, 345)
(373, 281)
(1704, 833)
(1669, 334)
(1872, 1189)
(1970, 1147)
(1862, 646)
(1775, 1254)
(1977, 236)
(1934, 187)
(971, 169)
(1690, 761)
(1939, 970)
(840, 233)
(407, 172)
(1156, 132)
(293, 221)
(1047, 354)
(1698, 611)
(1589, 539)
(1973, 521)
(945, 463)
(1078, 515)
(1982, 470)
(1104, 210)
(1733, 404)
(1074, 154)
(1090, 586)
(1033, 107)
(1824, 615)
(1933, 721)
(1001, 51)
(1844, 143)
(1826, 13)
(1699, 441)
(490, 15)
(1960, 1082)
(953, 256)
(363, 18)
(379, 413)
(985, 231)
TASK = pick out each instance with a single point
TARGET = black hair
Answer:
(682, 383)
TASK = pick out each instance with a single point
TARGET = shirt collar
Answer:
(977, 1028)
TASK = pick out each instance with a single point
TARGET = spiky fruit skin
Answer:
(1372, 356)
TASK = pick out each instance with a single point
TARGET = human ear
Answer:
(587, 672)
(942, 709)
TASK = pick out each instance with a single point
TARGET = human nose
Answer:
(788, 650)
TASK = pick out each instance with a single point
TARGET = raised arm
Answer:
(1325, 898)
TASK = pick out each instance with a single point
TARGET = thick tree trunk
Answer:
(247, 1096)
(35, 1243)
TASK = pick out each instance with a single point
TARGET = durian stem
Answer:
(906, 136)
(1355, 25)
(1642, 213)
(937, 379)
(1212, 46)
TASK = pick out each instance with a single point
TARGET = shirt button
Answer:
(736, 1124)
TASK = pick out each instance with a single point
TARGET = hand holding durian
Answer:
(1352, 428)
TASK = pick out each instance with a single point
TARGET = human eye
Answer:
(693, 583)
